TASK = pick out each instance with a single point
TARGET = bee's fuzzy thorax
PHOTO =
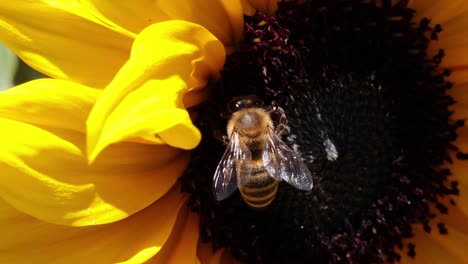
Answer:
(251, 123)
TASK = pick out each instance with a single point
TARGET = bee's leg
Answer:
(282, 122)
(221, 137)
(278, 116)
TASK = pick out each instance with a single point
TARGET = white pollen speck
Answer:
(330, 149)
(295, 147)
(319, 116)
(291, 138)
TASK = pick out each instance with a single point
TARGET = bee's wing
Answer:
(283, 163)
(225, 178)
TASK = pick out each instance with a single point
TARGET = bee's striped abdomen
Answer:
(260, 190)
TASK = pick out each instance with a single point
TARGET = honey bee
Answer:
(256, 159)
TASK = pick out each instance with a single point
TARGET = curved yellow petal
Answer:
(265, 6)
(63, 40)
(44, 167)
(42, 102)
(223, 18)
(182, 245)
(146, 98)
(132, 240)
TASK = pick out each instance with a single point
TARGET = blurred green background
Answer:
(13, 71)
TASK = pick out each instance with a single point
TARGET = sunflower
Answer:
(94, 159)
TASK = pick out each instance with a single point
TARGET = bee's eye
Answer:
(242, 102)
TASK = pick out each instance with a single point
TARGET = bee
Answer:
(256, 159)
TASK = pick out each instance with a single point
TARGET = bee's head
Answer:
(250, 122)
(243, 102)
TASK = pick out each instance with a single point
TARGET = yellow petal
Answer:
(438, 11)
(453, 40)
(61, 39)
(431, 248)
(459, 169)
(145, 99)
(132, 240)
(44, 169)
(459, 93)
(223, 18)
(456, 218)
(182, 245)
(453, 16)
(265, 6)
(42, 102)
(459, 75)
(437, 248)
(461, 107)
(462, 198)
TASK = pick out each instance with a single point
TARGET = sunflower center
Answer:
(367, 110)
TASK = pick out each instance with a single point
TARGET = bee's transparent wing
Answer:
(225, 178)
(283, 163)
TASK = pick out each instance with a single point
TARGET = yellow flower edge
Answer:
(110, 60)
(434, 247)
(165, 228)
(145, 99)
(45, 124)
(45, 170)
(89, 41)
